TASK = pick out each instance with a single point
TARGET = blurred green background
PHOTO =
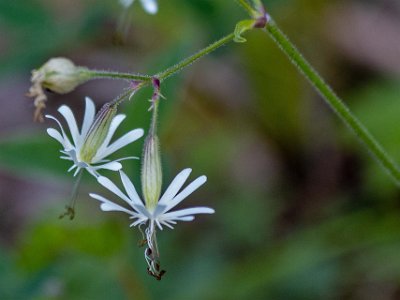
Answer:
(302, 210)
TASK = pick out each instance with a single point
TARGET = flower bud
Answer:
(60, 75)
(151, 172)
(97, 132)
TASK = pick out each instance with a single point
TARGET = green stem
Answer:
(117, 75)
(337, 105)
(246, 6)
(191, 59)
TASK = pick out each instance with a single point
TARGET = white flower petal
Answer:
(158, 224)
(186, 218)
(186, 192)
(175, 186)
(139, 221)
(108, 184)
(116, 121)
(130, 189)
(187, 212)
(113, 166)
(88, 119)
(125, 158)
(126, 139)
(69, 117)
(150, 6)
(66, 139)
(77, 171)
(107, 205)
(55, 134)
(71, 168)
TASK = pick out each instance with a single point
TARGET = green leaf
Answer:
(242, 27)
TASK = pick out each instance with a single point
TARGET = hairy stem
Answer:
(337, 105)
(117, 75)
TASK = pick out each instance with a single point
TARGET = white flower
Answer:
(156, 216)
(161, 214)
(149, 5)
(91, 145)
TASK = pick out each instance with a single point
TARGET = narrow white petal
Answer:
(107, 205)
(92, 172)
(69, 117)
(168, 223)
(158, 224)
(108, 184)
(140, 220)
(175, 186)
(186, 218)
(130, 189)
(186, 192)
(77, 171)
(116, 121)
(188, 212)
(150, 6)
(113, 166)
(66, 139)
(71, 168)
(88, 119)
(66, 158)
(126, 139)
(123, 158)
(55, 134)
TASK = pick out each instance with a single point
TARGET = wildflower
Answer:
(149, 6)
(91, 145)
(59, 75)
(156, 214)
(153, 211)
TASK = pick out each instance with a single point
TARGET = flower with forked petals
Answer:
(157, 215)
(90, 147)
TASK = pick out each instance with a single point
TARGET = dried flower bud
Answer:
(59, 75)
(151, 172)
(97, 132)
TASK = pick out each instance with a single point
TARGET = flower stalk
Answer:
(329, 96)
(151, 183)
(70, 209)
(333, 100)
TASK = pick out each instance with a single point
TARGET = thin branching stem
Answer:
(191, 59)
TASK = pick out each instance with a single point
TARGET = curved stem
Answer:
(337, 105)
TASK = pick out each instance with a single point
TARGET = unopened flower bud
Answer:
(97, 132)
(59, 75)
(151, 172)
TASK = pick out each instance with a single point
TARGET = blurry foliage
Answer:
(290, 222)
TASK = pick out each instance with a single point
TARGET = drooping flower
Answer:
(156, 214)
(90, 147)
(153, 210)
(149, 6)
(59, 75)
